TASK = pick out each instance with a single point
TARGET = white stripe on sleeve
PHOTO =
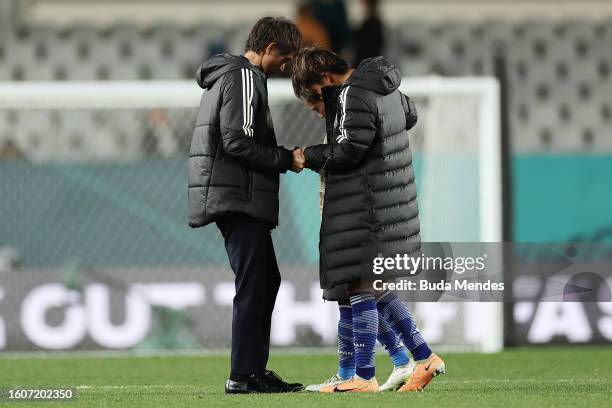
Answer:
(247, 102)
(244, 99)
(343, 135)
(250, 103)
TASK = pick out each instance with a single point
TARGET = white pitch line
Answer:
(126, 387)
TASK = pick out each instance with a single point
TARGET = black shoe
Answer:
(275, 382)
(252, 385)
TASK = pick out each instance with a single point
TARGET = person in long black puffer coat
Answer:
(369, 199)
(370, 191)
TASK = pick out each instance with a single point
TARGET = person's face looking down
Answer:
(314, 99)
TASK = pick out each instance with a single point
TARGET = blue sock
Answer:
(391, 342)
(397, 314)
(346, 349)
(365, 328)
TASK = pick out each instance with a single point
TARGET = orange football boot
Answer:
(355, 384)
(423, 374)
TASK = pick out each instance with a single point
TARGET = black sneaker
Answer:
(252, 385)
(275, 382)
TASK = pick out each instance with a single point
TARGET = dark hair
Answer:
(309, 64)
(274, 29)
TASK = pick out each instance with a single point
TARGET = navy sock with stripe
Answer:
(346, 349)
(365, 329)
(397, 314)
(392, 343)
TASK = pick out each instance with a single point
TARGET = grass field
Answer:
(528, 377)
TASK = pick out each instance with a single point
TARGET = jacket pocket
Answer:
(246, 183)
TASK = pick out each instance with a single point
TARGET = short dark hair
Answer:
(309, 64)
(274, 29)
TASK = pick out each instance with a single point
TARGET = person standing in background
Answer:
(313, 31)
(369, 38)
(332, 14)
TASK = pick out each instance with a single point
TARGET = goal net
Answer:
(95, 252)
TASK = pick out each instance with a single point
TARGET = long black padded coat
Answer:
(370, 192)
(234, 160)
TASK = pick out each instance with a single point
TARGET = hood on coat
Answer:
(382, 77)
(377, 75)
(217, 65)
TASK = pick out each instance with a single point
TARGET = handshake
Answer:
(299, 161)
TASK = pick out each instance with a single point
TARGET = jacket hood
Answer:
(217, 65)
(377, 75)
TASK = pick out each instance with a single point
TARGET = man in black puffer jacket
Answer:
(234, 167)
(369, 198)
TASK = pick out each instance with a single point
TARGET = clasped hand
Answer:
(299, 161)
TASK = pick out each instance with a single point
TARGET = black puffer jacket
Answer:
(234, 161)
(370, 194)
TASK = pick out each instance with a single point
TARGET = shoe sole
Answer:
(265, 392)
(335, 390)
(355, 390)
(261, 392)
(242, 392)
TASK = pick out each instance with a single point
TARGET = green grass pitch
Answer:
(524, 377)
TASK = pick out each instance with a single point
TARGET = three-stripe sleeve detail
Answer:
(247, 101)
(343, 135)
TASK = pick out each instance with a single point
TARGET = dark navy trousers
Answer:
(248, 243)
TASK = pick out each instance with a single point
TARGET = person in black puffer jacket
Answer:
(369, 199)
(234, 167)
(370, 192)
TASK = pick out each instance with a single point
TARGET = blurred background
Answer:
(98, 104)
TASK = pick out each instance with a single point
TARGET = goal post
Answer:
(490, 176)
(84, 143)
